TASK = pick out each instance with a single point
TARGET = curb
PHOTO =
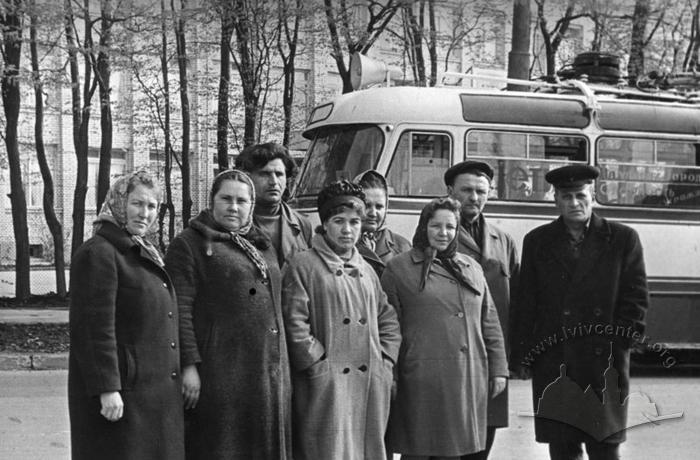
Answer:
(33, 361)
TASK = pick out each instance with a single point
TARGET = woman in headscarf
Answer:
(452, 357)
(343, 338)
(377, 243)
(124, 385)
(234, 354)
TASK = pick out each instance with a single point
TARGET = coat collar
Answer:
(470, 246)
(122, 241)
(291, 219)
(331, 260)
(594, 245)
(466, 264)
(117, 236)
(385, 243)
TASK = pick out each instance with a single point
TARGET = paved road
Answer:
(41, 282)
(34, 422)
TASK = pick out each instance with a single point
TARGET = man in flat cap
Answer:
(469, 182)
(580, 307)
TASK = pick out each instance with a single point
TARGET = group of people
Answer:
(258, 337)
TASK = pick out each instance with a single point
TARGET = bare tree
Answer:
(414, 23)
(102, 74)
(52, 220)
(11, 24)
(81, 115)
(181, 44)
(255, 38)
(358, 38)
(519, 57)
(639, 41)
(287, 47)
(553, 37)
(692, 55)
(222, 119)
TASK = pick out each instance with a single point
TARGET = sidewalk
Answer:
(11, 361)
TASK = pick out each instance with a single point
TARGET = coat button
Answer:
(598, 351)
(265, 282)
(362, 321)
(346, 370)
(173, 345)
(566, 312)
(165, 285)
(173, 375)
(170, 314)
(597, 311)
(363, 368)
(464, 349)
(460, 315)
(274, 330)
(339, 272)
(252, 291)
(346, 321)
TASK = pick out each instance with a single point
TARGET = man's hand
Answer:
(112, 405)
(191, 384)
(496, 386)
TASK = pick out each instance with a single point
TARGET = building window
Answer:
(117, 168)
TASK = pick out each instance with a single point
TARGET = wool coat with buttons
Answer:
(343, 340)
(452, 346)
(231, 327)
(124, 337)
(562, 311)
(498, 257)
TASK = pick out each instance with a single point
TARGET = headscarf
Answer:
(238, 236)
(367, 180)
(114, 208)
(448, 257)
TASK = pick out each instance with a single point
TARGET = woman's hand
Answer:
(496, 386)
(190, 386)
(112, 405)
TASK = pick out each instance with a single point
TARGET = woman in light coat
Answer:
(124, 384)
(377, 244)
(452, 357)
(343, 338)
(234, 354)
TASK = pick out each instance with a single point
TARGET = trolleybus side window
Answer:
(520, 160)
(339, 152)
(419, 163)
(648, 172)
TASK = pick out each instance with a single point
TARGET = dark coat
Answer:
(339, 310)
(501, 265)
(388, 245)
(563, 308)
(231, 326)
(123, 334)
(452, 345)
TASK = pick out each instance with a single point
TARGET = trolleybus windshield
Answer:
(339, 152)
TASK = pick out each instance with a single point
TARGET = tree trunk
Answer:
(81, 119)
(692, 56)
(415, 40)
(103, 76)
(52, 221)
(519, 56)
(12, 53)
(185, 107)
(222, 119)
(635, 66)
(169, 206)
(289, 66)
(337, 52)
(432, 43)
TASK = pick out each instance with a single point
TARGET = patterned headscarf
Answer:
(114, 207)
(447, 258)
(238, 236)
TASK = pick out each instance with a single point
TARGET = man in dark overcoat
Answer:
(580, 307)
(469, 182)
